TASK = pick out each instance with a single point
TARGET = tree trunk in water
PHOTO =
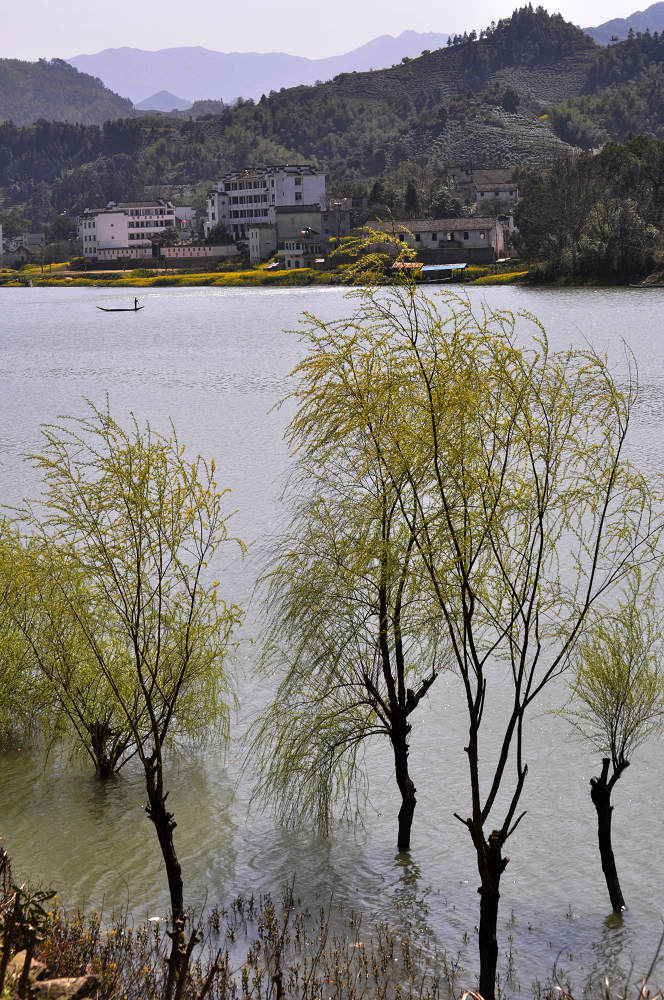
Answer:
(404, 781)
(600, 793)
(489, 899)
(164, 825)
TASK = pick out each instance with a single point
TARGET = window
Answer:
(465, 236)
(298, 182)
(417, 237)
(298, 196)
(482, 236)
(450, 237)
(434, 237)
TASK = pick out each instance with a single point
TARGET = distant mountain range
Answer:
(152, 79)
(163, 101)
(651, 19)
(171, 79)
(195, 73)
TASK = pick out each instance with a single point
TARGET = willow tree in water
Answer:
(79, 706)
(24, 699)
(509, 465)
(126, 510)
(617, 702)
(350, 620)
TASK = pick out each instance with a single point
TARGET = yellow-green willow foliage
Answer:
(506, 465)
(127, 527)
(617, 699)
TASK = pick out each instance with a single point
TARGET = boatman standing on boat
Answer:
(135, 303)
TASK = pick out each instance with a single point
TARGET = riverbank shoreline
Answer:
(62, 276)
(65, 276)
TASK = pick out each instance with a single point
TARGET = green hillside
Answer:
(520, 93)
(56, 91)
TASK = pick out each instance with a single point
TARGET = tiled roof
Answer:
(447, 225)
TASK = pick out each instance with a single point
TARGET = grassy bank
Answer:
(141, 278)
(63, 276)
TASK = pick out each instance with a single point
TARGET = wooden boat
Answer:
(125, 309)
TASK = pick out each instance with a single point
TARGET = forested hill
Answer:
(56, 91)
(544, 50)
(493, 100)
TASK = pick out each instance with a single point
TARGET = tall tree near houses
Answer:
(617, 702)
(411, 200)
(523, 508)
(142, 522)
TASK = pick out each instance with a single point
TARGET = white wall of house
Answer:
(186, 251)
(503, 195)
(262, 242)
(243, 198)
(469, 233)
(130, 224)
(111, 230)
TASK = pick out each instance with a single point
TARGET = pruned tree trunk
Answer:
(405, 783)
(493, 865)
(600, 793)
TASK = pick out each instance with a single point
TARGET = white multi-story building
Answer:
(131, 224)
(244, 198)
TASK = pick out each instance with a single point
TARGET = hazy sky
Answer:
(31, 29)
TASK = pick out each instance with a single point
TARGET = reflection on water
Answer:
(216, 362)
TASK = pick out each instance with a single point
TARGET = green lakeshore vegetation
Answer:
(441, 468)
(63, 275)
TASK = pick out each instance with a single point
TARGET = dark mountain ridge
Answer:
(54, 90)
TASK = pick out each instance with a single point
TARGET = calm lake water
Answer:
(216, 362)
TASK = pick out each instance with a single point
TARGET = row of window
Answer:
(249, 213)
(260, 199)
(293, 245)
(245, 186)
(147, 225)
(449, 236)
(253, 185)
(498, 194)
(151, 211)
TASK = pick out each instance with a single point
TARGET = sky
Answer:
(34, 29)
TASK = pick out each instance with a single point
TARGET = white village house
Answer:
(473, 240)
(316, 231)
(245, 197)
(125, 225)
